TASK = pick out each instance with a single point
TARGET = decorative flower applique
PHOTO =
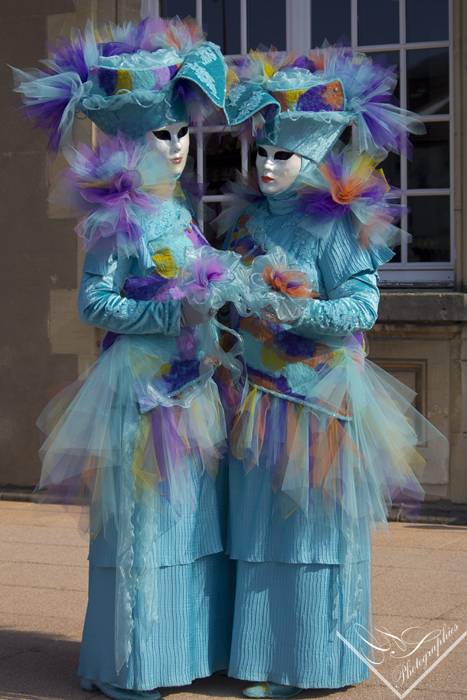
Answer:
(234, 94)
(206, 55)
(254, 102)
(277, 284)
(210, 278)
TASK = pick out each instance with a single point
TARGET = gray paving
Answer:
(419, 580)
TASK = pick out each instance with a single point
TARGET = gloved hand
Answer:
(189, 316)
(269, 314)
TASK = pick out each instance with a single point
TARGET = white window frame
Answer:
(298, 39)
(406, 272)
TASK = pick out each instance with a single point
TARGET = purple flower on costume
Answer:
(108, 190)
(204, 272)
(321, 203)
(350, 183)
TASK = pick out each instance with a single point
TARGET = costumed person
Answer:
(139, 437)
(323, 441)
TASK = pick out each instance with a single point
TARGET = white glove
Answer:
(269, 314)
(189, 316)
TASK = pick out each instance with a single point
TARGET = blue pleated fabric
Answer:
(261, 530)
(190, 639)
(286, 622)
(300, 580)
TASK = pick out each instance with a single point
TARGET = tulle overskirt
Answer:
(140, 469)
(100, 425)
(356, 443)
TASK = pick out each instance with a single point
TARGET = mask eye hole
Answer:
(162, 135)
(262, 152)
(282, 155)
(182, 132)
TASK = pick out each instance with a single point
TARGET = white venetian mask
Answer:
(277, 168)
(172, 142)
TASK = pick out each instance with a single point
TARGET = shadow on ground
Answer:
(36, 665)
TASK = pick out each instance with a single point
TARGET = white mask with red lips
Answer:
(277, 168)
(172, 142)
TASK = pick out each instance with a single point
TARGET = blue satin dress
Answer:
(310, 463)
(144, 434)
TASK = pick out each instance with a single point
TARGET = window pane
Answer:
(429, 226)
(346, 135)
(397, 256)
(392, 169)
(210, 212)
(389, 58)
(430, 163)
(427, 20)
(182, 8)
(222, 20)
(329, 20)
(192, 156)
(378, 22)
(266, 24)
(428, 81)
(222, 158)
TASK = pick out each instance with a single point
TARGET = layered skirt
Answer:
(149, 472)
(309, 484)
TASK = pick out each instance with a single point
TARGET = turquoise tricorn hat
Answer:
(293, 109)
(130, 79)
(140, 92)
(304, 104)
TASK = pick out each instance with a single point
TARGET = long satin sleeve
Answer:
(100, 305)
(352, 308)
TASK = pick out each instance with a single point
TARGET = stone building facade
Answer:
(420, 338)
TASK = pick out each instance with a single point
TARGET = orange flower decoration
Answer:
(343, 191)
(292, 283)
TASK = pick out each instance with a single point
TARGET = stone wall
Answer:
(420, 337)
(420, 340)
(42, 340)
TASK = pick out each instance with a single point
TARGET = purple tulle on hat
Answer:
(304, 62)
(69, 56)
(116, 48)
(48, 116)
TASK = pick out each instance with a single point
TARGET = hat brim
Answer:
(243, 101)
(309, 134)
(133, 113)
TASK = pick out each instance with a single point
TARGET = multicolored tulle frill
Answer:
(356, 443)
(104, 430)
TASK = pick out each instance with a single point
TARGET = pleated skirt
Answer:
(286, 621)
(190, 639)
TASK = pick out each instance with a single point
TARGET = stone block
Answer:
(421, 363)
(68, 334)
(36, 8)
(422, 306)
(23, 39)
